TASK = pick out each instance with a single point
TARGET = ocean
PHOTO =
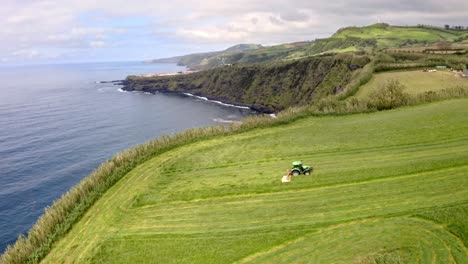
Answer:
(59, 122)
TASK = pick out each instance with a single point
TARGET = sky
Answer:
(56, 31)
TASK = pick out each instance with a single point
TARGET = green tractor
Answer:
(298, 169)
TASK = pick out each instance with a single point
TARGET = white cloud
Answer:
(97, 44)
(255, 26)
(26, 53)
(51, 28)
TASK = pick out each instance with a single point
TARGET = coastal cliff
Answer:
(264, 88)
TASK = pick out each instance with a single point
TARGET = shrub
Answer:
(389, 96)
(360, 77)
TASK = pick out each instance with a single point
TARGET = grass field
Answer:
(388, 187)
(392, 36)
(416, 82)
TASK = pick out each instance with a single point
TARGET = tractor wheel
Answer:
(296, 173)
(307, 173)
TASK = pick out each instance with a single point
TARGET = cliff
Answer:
(263, 87)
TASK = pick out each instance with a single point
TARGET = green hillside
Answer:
(388, 187)
(349, 39)
(394, 36)
(378, 37)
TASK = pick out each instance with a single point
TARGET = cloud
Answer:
(26, 53)
(37, 29)
(261, 27)
(97, 44)
(294, 15)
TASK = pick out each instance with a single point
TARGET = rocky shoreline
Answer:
(129, 87)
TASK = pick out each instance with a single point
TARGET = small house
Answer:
(441, 67)
(465, 72)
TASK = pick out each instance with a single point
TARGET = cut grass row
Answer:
(220, 200)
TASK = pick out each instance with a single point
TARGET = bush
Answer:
(389, 96)
(359, 78)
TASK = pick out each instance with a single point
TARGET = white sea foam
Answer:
(196, 96)
(220, 120)
(273, 115)
(121, 90)
(106, 89)
(217, 102)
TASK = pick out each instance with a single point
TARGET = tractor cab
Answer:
(298, 169)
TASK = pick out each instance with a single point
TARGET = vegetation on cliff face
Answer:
(265, 87)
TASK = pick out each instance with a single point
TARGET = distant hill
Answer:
(350, 39)
(379, 37)
(198, 60)
(387, 36)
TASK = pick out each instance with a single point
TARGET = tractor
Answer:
(298, 169)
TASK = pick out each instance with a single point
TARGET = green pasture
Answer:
(388, 187)
(392, 36)
(415, 81)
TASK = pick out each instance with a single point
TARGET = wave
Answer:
(107, 89)
(137, 92)
(217, 102)
(220, 120)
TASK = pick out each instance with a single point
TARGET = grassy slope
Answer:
(389, 186)
(393, 36)
(415, 81)
(377, 36)
(347, 39)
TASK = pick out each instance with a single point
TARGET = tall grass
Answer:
(58, 219)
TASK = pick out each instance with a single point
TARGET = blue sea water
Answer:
(58, 123)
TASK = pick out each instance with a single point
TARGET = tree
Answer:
(447, 26)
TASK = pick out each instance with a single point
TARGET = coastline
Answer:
(218, 100)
